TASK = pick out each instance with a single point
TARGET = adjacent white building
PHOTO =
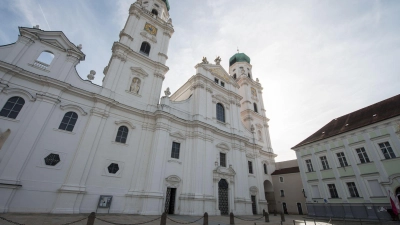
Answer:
(350, 166)
(65, 142)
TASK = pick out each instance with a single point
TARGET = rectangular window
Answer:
(342, 159)
(362, 155)
(387, 150)
(222, 84)
(309, 165)
(375, 187)
(250, 167)
(222, 159)
(281, 179)
(333, 191)
(175, 150)
(315, 191)
(282, 193)
(216, 80)
(353, 190)
(324, 162)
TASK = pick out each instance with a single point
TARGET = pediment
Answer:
(54, 38)
(225, 171)
(139, 71)
(178, 135)
(55, 43)
(223, 146)
(219, 71)
(221, 99)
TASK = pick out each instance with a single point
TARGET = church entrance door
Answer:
(170, 201)
(254, 204)
(223, 203)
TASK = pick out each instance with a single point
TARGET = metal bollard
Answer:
(266, 217)
(232, 219)
(91, 218)
(163, 219)
(282, 217)
(205, 220)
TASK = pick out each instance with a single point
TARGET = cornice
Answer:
(138, 11)
(65, 87)
(118, 46)
(122, 33)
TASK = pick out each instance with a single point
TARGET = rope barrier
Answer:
(10, 221)
(74, 222)
(248, 219)
(185, 222)
(128, 224)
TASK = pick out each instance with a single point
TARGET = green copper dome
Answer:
(239, 57)
(167, 3)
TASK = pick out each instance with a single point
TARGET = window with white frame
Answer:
(309, 165)
(342, 159)
(353, 190)
(324, 162)
(282, 193)
(281, 179)
(12, 107)
(315, 191)
(333, 191)
(265, 169)
(122, 134)
(176, 147)
(375, 188)
(222, 159)
(387, 150)
(362, 155)
(250, 164)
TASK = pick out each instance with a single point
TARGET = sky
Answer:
(316, 59)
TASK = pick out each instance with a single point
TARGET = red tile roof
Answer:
(377, 112)
(286, 170)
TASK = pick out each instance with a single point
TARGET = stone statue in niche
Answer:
(254, 92)
(135, 86)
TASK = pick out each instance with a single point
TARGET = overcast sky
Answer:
(316, 59)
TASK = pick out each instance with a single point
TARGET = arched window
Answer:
(234, 76)
(265, 169)
(155, 12)
(122, 134)
(12, 107)
(255, 107)
(145, 48)
(46, 57)
(69, 121)
(220, 112)
(249, 75)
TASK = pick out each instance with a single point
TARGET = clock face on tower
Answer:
(150, 28)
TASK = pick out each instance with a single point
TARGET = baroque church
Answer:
(70, 146)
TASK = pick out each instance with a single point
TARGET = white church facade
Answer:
(70, 146)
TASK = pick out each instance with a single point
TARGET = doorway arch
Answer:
(269, 196)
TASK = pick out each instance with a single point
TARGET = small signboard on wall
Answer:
(105, 202)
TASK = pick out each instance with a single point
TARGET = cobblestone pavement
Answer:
(53, 219)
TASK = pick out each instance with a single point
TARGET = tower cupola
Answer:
(239, 57)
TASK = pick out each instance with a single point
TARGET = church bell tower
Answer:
(137, 67)
(252, 105)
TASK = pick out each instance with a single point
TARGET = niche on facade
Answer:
(136, 81)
